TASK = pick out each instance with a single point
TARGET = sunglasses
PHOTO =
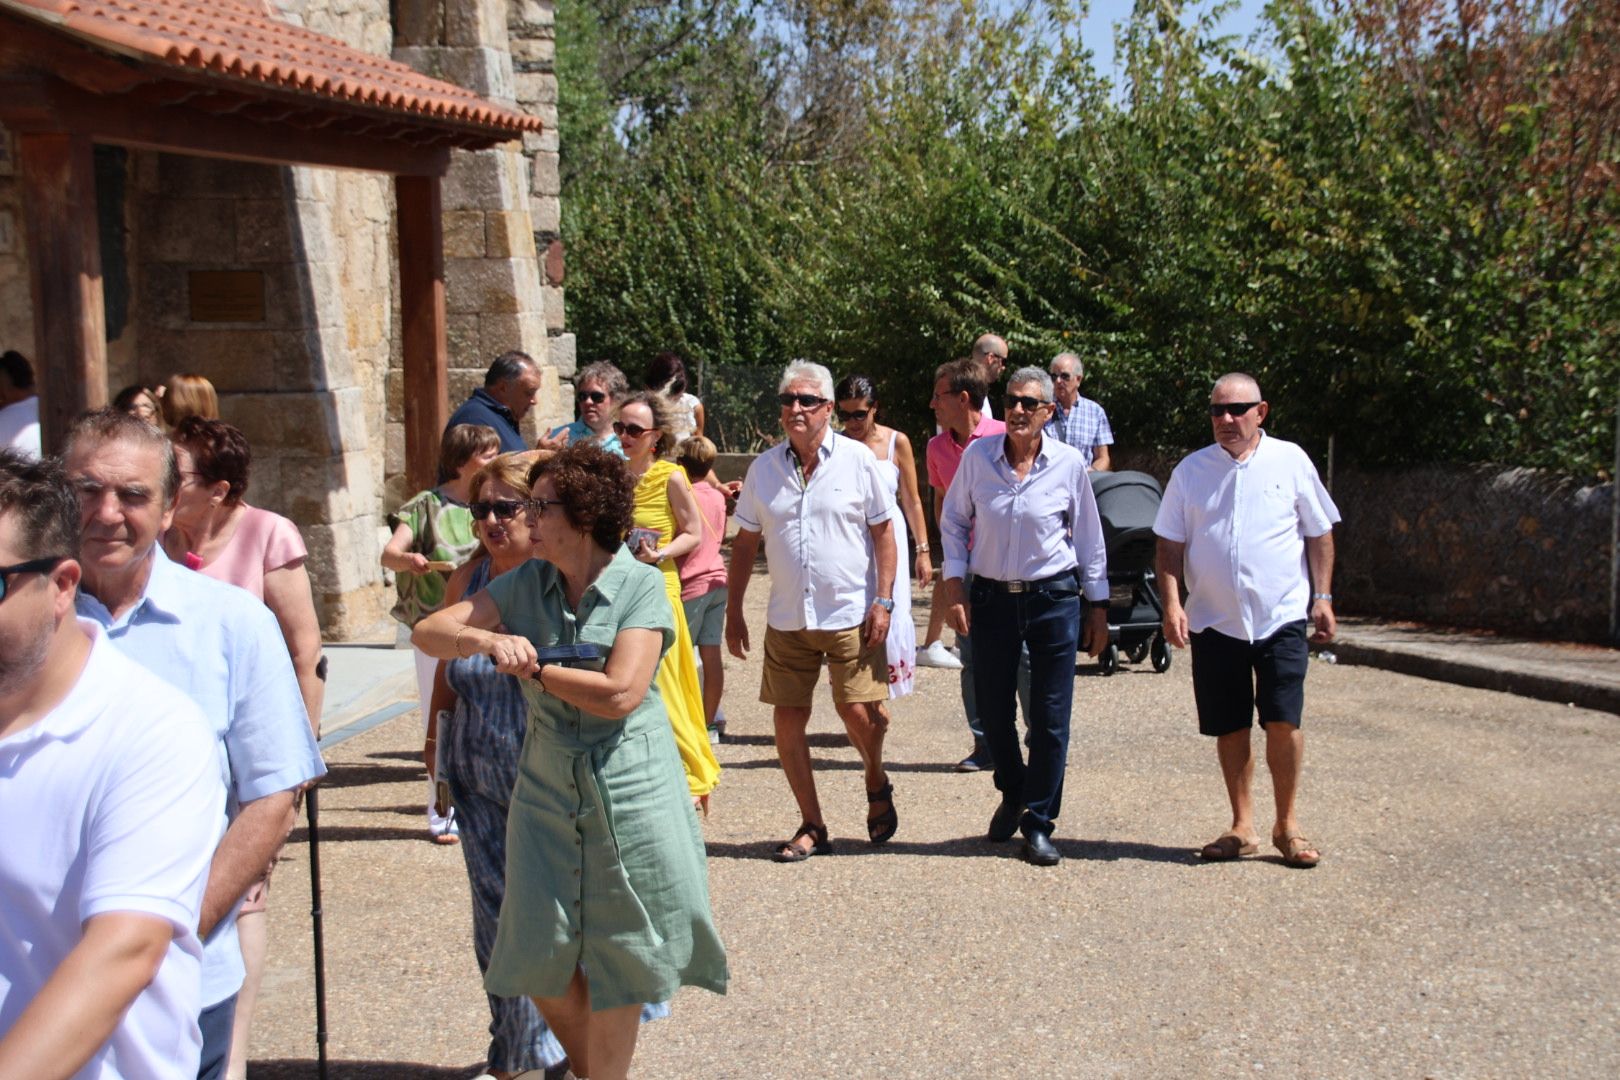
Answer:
(539, 505)
(635, 431)
(32, 566)
(804, 401)
(1234, 408)
(858, 414)
(1023, 401)
(1062, 376)
(503, 509)
(595, 397)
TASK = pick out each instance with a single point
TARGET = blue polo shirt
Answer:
(481, 408)
(224, 649)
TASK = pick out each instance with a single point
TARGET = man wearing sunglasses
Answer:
(113, 805)
(510, 387)
(601, 386)
(820, 505)
(1076, 420)
(221, 647)
(1249, 525)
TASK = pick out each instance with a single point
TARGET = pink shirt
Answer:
(944, 455)
(704, 570)
(262, 542)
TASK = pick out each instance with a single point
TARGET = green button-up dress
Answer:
(605, 865)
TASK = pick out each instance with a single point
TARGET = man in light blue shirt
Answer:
(217, 643)
(1076, 420)
(1036, 544)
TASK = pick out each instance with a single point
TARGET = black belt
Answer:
(1067, 577)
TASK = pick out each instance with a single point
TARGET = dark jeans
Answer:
(216, 1021)
(970, 697)
(1045, 621)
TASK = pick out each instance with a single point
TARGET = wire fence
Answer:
(739, 406)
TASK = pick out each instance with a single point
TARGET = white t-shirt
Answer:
(683, 417)
(112, 803)
(19, 426)
(1245, 524)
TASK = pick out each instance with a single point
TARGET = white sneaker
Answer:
(937, 655)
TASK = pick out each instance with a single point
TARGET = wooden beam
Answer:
(64, 260)
(419, 208)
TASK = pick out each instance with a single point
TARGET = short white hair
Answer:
(1027, 375)
(1238, 378)
(805, 371)
(1079, 367)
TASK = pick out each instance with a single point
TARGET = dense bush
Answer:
(1402, 215)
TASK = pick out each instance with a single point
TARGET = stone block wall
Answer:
(16, 304)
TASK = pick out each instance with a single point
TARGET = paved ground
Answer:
(1463, 922)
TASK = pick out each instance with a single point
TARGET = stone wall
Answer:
(1524, 551)
(16, 306)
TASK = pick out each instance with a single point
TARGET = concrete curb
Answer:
(1510, 680)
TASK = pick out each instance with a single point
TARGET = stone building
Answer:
(251, 190)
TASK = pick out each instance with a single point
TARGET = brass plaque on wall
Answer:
(226, 295)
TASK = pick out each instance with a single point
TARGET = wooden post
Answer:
(64, 261)
(419, 206)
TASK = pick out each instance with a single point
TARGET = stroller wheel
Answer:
(1161, 654)
(1138, 652)
(1109, 660)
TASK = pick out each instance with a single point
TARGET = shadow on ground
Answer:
(305, 1068)
(971, 847)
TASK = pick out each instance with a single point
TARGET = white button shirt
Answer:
(1023, 530)
(1245, 524)
(817, 535)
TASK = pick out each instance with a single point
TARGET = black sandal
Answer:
(882, 827)
(792, 852)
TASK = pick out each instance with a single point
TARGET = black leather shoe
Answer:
(978, 761)
(1004, 822)
(1038, 850)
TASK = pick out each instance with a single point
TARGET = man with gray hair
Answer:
(1076, 420)
(1248, 523)
(510, 387)
(819, 504)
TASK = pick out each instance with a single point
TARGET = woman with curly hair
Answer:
(607, 892)
(669, 525)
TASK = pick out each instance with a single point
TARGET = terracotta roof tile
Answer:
(238, 40)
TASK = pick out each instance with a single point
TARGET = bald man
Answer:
(991, 351)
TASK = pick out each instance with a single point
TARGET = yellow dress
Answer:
(677, 672)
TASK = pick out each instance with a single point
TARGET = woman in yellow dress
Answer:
(666, 506)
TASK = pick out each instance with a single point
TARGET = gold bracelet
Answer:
(457, 643)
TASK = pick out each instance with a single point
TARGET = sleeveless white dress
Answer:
(902, 642)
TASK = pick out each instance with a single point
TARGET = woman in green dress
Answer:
(607, 899)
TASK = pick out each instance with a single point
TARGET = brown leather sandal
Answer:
(790, 851)
(1226, 847)
(1297, 851)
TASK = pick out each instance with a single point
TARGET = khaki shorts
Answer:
(793, 660)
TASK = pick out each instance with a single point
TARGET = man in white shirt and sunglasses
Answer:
(1249, 525)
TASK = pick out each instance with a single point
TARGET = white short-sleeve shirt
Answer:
(1245, 524)
(817, 535)
(19, 426)
(112, 803)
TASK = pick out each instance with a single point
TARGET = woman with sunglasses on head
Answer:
(433, 533)
(599, 388)
(857, 407)
(669, 525)
(605, 867)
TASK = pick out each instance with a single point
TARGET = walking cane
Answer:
(312, 807)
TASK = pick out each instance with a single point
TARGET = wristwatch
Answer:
(886, 603)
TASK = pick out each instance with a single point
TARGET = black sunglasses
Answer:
(539, 505)
(596, 397)
(804, 401)
(1232, 408)
(30, 567)
(858, 414)
(503, 509)
(635, 431)
(1024, 401)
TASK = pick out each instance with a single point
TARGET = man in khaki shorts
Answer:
(819, 503)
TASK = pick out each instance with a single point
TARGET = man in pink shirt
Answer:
(959, 387)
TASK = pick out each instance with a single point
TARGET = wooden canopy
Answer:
(220, 80)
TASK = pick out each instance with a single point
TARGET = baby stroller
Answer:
(1127, 502)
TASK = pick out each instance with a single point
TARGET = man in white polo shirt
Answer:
(820, 504)
(1250, 526)
(113, 802)
(217, 643)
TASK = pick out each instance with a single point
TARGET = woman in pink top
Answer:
(215, 532)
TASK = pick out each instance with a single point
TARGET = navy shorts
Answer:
(1232, 678)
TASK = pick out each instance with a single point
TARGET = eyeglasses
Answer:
(1062, 376)
(858, 414)
(32, 566)
(635, 431)
(804, 401)
(1232, 408)
(595, 397)
(503, 509)
(1023, 401)
(538, 506)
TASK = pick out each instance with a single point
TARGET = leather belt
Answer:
(1067, 577)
